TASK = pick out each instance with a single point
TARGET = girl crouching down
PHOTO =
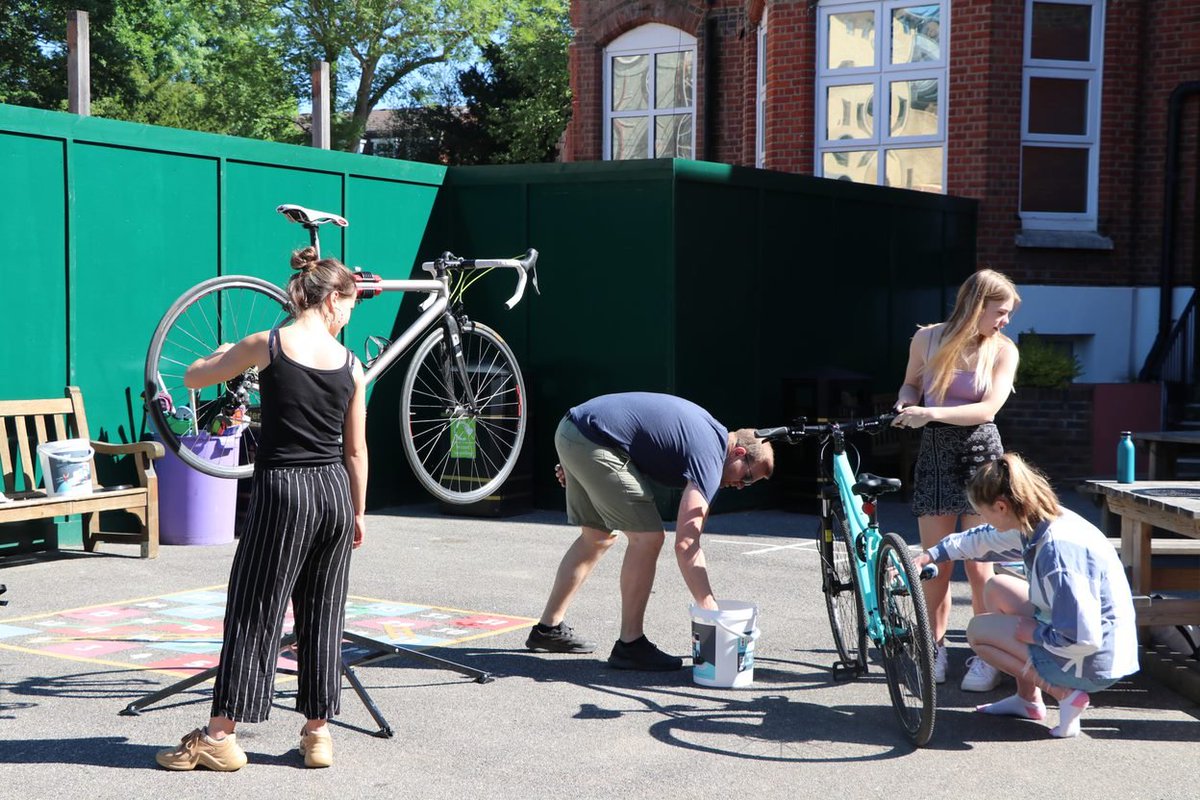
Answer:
(1068, 630)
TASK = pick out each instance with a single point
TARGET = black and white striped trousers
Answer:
(296, 545)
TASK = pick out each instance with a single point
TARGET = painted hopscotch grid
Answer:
(180, 634)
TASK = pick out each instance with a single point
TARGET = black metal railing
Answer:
(1173, 360)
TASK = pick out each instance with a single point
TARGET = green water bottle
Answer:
(1125, 458)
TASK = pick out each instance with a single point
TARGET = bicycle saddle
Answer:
(873, 485)
(307, 216)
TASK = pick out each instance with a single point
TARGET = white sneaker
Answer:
(939, 663)
(981, 676)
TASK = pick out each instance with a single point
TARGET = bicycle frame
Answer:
(438, 288)
(864, 532)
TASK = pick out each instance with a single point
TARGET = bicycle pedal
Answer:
(846, 672)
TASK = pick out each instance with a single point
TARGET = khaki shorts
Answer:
(604, 489)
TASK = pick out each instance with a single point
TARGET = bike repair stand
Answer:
(377, 651)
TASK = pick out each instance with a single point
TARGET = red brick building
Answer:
(1053, 114)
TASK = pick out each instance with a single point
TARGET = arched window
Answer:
(650, 94)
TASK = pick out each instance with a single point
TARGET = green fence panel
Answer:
(144, 224)
(33, 271)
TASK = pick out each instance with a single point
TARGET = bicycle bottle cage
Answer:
(368, 284)
(379, 343)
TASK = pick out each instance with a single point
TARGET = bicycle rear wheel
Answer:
(907, 646)
(463, 452)
(219, 310)
(843, 594)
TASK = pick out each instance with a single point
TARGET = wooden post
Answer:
(79, 79)
(320, 104)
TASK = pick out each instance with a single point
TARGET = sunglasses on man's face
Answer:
(748, 478)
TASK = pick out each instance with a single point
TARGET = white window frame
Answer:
(760, 94)
(650, 40)
(879, 76)
(1091, 71)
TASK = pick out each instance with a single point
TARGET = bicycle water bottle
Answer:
(1125, 458)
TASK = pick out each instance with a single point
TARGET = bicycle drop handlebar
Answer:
(525, 265)
(799, 429)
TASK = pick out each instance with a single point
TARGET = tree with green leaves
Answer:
(373, 46)
(209, 65)
(519, 98)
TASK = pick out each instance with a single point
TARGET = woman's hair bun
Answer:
(305, 258)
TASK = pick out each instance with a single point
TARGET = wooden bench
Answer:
(24, 424)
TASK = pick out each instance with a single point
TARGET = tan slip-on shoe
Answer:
(317, 748)
(197, 749)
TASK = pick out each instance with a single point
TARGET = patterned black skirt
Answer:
(946, 460)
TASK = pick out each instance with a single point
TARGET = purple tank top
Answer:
(962, 390)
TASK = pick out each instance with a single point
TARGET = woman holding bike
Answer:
(1070, 628)
(960, 372)
(306, 512)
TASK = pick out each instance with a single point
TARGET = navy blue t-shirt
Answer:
(671, 440)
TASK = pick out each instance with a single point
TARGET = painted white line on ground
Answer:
(765, 549)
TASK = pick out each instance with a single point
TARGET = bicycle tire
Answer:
(463, 455)
(843, 594)
(218, 310)
(907, 646)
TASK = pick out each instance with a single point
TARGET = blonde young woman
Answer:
(960, 372)
(1070, 628)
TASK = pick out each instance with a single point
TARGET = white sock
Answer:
(1070, 709)
(1014, 706)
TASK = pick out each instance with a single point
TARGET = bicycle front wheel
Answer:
(907, 646)
(462, 451)
(214, 312)
(843, 594)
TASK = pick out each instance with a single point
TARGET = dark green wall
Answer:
(708, 281)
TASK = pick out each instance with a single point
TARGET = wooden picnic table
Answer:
(1143, 506)
(1164, 449)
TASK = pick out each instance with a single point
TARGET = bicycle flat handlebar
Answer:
(799, 428)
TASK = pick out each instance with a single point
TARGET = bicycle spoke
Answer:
(213, 312)
(907, 647)
(462, 450)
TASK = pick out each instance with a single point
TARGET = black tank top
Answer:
(303, 410)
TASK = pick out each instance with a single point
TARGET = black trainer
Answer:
(640, 654)
(559, 639)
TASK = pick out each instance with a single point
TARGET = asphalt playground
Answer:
(546, 726)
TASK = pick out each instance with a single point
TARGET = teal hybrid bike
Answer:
(873, 592)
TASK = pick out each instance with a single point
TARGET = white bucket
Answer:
(66, 467)
(723, 644)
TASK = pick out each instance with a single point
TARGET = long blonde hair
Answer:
(962, 329)
(1021, 484)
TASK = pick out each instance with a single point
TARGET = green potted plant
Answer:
(1044, 366)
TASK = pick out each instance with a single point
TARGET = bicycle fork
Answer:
(456, 362)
